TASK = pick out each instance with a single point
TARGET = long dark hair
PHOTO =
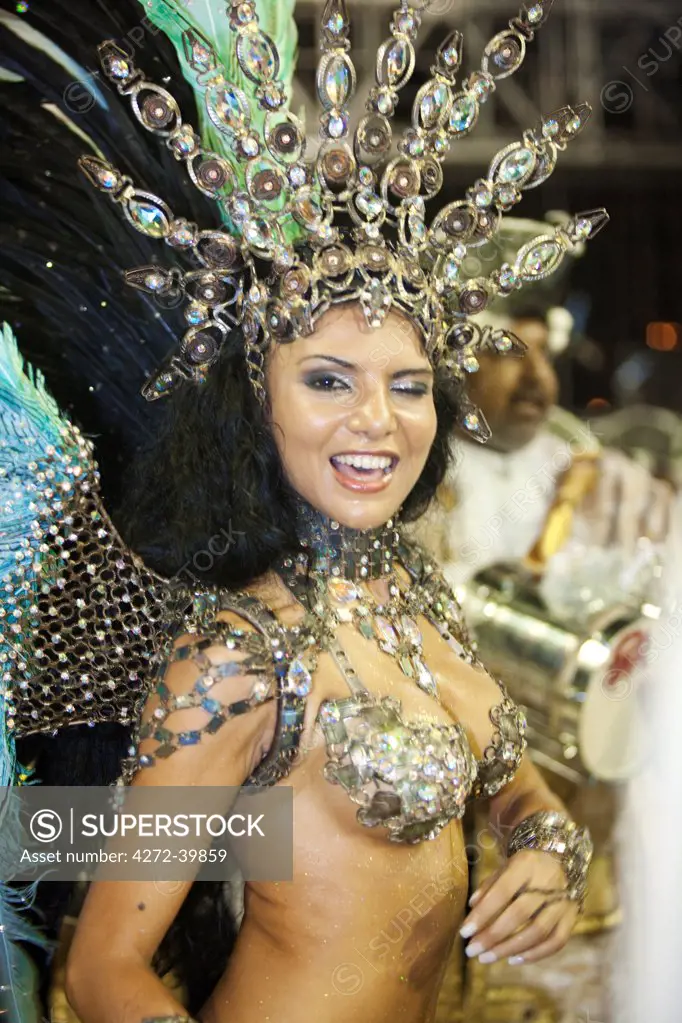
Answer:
(208, 497)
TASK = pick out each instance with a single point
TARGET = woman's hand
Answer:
(521, 912)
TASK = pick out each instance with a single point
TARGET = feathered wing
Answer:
(63, 252)
(61, 561)
(30, 427)
(19, 980)
(62, 257)
(32, 433)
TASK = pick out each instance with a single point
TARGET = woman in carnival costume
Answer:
(308, 407)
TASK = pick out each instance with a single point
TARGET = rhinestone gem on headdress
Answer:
(280, 208)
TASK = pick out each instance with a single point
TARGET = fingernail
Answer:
(487, 957)
(515, 960)
(475, 897)
(474, 949)
(468, 930)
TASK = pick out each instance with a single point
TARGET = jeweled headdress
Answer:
(299, 233)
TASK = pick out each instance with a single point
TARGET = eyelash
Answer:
(329, 382)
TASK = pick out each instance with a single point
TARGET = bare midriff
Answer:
(363, 932)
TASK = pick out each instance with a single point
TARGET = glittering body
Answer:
(375, 901)
(380, 877)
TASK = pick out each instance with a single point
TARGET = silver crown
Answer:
(299, 235)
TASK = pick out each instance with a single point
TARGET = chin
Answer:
(518, 436)
(361, 515)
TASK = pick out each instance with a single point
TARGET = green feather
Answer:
(208, 18)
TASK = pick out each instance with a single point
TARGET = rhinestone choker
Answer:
(330, 549)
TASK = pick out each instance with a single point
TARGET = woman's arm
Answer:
(109, 978)
(527, 909)
(525, 794)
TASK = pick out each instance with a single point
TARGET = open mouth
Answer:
(361, 471)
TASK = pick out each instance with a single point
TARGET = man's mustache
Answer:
(535, 397)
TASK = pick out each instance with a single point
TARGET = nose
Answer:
(373, 415)
(536, 367)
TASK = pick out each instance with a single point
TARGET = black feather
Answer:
(63, 250)
(95, 339)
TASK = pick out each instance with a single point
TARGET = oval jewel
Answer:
(257, 234)
(335, 18)
(385, 633)
(256, 55)
(298, 678)
(228, 108)
(369, 203)
(337, 81)
(463, 114)
(515, 167)
(397, 60)
(451, 271)
(433, 105)
(411, 631)
(425, 679)
(148, 218)
(342, 590)
(308, 210)
(417, 229)
(541, 259)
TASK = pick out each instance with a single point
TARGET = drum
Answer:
(577, 683)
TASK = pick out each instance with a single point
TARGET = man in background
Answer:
(541, 487)
(497, 498)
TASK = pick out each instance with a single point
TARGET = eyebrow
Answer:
(416, 371)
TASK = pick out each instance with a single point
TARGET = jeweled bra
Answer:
(411, 776)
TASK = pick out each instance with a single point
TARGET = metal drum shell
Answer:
(551, 668)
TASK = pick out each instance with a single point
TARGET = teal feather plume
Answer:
(31, 426)
(19, 977)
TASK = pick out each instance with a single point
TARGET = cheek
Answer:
(303, 422)
(422, 430)
(552, 384)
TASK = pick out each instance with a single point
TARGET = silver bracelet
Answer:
(169, 1019)
(554, 833)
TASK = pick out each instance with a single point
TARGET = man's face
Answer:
(516, 395)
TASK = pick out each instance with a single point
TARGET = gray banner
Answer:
(144, 833)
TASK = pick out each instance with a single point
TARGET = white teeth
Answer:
(365, 461)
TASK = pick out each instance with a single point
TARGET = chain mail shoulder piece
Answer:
(87, 631)
(260, 647)
(81, 626)
(80, 615)
(502, 757)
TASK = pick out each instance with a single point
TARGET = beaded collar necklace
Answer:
(333, 551)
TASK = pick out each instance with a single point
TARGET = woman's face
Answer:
(353, 415)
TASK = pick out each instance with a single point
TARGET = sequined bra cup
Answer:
(411, 777)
